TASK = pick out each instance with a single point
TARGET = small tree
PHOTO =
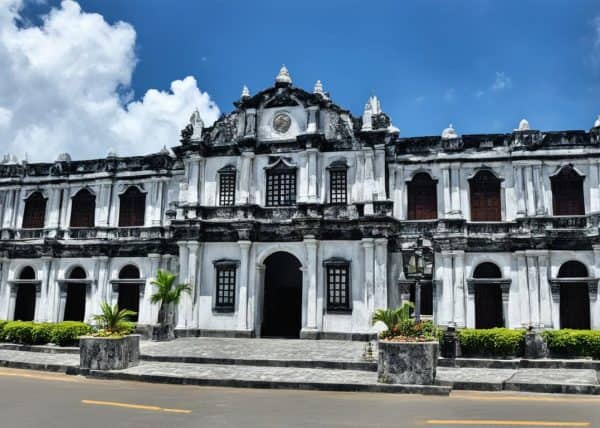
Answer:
(167, 294)
(112, 320)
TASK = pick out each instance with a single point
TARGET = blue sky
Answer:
(481, 65)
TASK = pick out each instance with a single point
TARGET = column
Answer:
(243, 283)
(9, 205)
(380, 172)
(380, 297)
(113, 215)
(455, 171)
(53, 207)
(367, 244)
(357, 188)
(523, 288)
(539, 191)
(302, 178)
(101, 285)
(311, 245)
(447, 186)
(243, 195)
(594, 194)
(459, 288)
(534, 292)
(397, 190)
(41, 301)
(102, 205)
(312, 119)
(529, 189)
(519, 191)
(192, 319)
(545, 294)
(470, 305)
(185, 300)
(446, 309)
(595, 305)
(312, 175)
(148, 311)
(369, 189)
(192, 174)
(4, 288)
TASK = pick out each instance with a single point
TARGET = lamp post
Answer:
(417, 268)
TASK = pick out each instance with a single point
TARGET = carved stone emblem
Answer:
(282, 123)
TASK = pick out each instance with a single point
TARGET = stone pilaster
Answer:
(459, 288)
(193, 279)
(312, 246)
(245, 247)
(244, 194)
(312, 175)
(380, 268)
(185, 301)
(380, 172)
(368, 265)
(41, 300)
(148, 311)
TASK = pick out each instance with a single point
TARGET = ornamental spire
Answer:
(245, 92)
(283, 76)
(318, 88)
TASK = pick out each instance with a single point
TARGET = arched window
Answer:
(488, 296)
(422, 197)
(485, 197)
(35, 211)
(574, 296)
(132, 208)
(129, 290)
(25, 299)
(83, 207)
(567, 192)
(76, 291)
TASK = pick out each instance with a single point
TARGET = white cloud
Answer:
(502, 82)
(65, 87)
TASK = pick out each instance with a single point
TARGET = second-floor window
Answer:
(83, 207)
(227, 186)
(132, 208)
(485, 197)
(338, 183)
(34, 214)
(567, 192)
(422, 197)
(281, 185)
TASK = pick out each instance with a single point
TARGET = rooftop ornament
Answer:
(318, 88)
(197, 125)
(523, 125)
(284, 76)
(597, 122)
(372, 108)
(112, 153)
(449, 133)
(245, 92)
(63, 157)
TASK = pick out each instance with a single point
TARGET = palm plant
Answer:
(392, 317)
(112, 319)
(167, 292)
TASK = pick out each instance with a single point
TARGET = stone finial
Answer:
(283, 76)
(245, 92)
(449, 133)
(197, 125)
(372, 107)
(9, 159)
(523, 125)
(112, 153)
(318, 88)
(63, 157)
(597, 122)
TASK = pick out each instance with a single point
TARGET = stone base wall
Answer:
(407, 362)
(101, 353)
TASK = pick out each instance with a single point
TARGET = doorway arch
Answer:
(282, 304)
(129, 290)
(25, 299)
(76, 291)
(574, 296)
(488, 296)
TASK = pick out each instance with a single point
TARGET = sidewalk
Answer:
(301, 364)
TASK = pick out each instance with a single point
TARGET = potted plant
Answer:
(167, 294)
(111, 347)
(407, 350)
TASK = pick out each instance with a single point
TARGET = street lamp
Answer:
(418, 268)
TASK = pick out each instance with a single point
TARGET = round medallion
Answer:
(282, 123)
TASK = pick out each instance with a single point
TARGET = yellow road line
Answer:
(506, 423)
(135, 406)
(39, 376)
(500, 397)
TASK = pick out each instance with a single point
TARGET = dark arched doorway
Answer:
(83, 209)
(574, 296)
(129, 290)
(567, 192)
(25, 299)
(488, 296)
(282, 312)
(75, 303)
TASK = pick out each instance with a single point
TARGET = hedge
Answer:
(493, 342)
(31, 333)
(573, 343)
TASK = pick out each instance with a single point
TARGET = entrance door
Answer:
(75, 304)
(129, 298)
(574, 306)
(488, 306)
(282, 313)
(25, 303)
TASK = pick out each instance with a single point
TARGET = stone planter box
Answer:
(407, 362)
(105, 353)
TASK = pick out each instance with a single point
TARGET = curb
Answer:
(38, 366)
(47, 349)
(240, 383)
(523, 363)
(304, 364)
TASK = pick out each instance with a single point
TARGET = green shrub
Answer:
(18, 332)
(41, 333)
(573, 343)
(66, 333)
(497, 342)
(2, 324)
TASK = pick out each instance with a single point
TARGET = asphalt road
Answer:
(48, 400)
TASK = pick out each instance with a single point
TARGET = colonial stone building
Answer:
(291, 217)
